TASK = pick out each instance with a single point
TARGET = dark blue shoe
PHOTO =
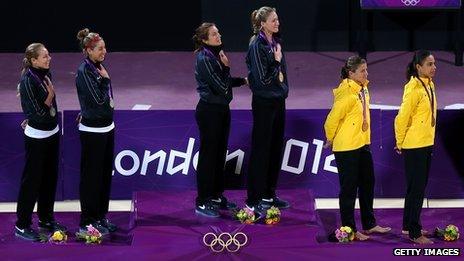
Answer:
(27, 234)
(222, 203)
(276, 202)
(108, 225)
(260, 209)
(52, 226)
(207, 209)
(103, 230)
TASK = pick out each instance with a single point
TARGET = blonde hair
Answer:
(32, 51)
(87, 39)
(260, 15)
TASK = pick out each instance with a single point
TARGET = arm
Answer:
(262, 69)
(33, 106)
(98, 91)
(337, 114)
(217, 78)
(410, 100)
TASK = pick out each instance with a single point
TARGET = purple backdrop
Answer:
(386, 4)
(158, 150)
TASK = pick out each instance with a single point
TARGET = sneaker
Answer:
(208, 210)
(222, 203)
(108, 225)
(26, 233)
(52, 226)
(260, 209)
(103, 230)
(277, 202)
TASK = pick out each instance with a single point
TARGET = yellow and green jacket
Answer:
(343, 126)
(413, 124)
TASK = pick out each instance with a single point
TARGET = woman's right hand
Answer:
(103, 72)
(50, 90)
(224, 58)
(278, 53)
(49, 86)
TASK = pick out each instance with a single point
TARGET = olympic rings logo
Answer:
(410, 2)
(225, 241)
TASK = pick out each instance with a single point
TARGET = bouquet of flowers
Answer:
(246, 215)
(344, 234)
(91, 236)
(272, 216)
(450, 233)
(58, 237)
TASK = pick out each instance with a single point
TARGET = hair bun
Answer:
(82, 34)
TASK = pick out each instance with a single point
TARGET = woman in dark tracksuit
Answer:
(96, 128)
(41, 137)
(212, 73)
(267, 76)
(415, 136)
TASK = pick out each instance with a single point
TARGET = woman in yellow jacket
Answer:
(347, 130)
(415, 133)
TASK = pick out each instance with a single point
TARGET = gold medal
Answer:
(111, 103)
(281, 76)
(52, 111)
(365, 126)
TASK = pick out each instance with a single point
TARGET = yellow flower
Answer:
(351, 237)
(348, 230)
(93, 238)
(57, 236)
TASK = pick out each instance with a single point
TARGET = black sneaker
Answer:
(52, 226)
(103, 230)
(110, 226)
(27, 233)
(277, 202)
(260, 209)
(222, 203)
(208, 210)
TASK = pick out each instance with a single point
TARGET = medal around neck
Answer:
(52, 111)
(281, 76)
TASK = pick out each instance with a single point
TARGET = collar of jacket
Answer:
(425, 80)
(40, 72)
(354, 86)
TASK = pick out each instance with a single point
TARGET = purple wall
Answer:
(158, 150)
(386, 4)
